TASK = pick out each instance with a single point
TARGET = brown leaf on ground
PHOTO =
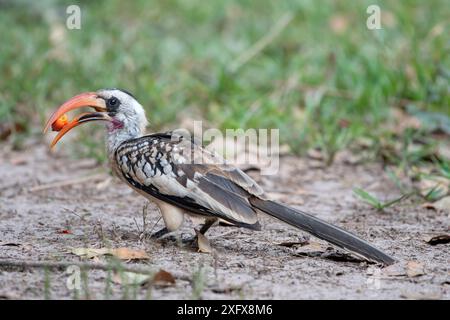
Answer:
(440, 205)
(414, 269)
(163, 278)
(102, 185)
(291, 244)
(203, 243)
(129, 254)
(437, 239)
(421, 296)
(401, 269)
(311, 249)
(314, 246)
(394, 270)
(18, 160)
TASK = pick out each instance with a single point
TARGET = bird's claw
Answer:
(159, 234)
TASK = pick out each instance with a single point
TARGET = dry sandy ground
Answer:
(247, 264)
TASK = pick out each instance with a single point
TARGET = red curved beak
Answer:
(88, 99)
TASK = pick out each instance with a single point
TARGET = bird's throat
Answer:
(118, 132)
(114, 125)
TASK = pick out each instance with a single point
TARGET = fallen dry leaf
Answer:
(401, 269)
(313, 246)
(421, 296)
(437, 239)
(89, 253)
(102, 185)
(18, 160)
(441, 205)
(291, 244)
(129, 254)
(163, 278)
(394, 270)
(203, 243)
(414, 269)
(120, 253)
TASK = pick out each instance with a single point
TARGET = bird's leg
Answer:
(173, 219)
(160, 233)
(208, 224)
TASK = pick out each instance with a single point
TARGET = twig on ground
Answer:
(154, 226)
(69, 182)
(20, 264)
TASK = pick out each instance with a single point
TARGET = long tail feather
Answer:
(322, 230)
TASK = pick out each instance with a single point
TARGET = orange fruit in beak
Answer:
(60, 123)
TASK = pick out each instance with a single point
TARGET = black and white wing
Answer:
(181, 172)
(178, 171)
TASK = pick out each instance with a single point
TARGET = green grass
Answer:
(321, 86)
(375, 202)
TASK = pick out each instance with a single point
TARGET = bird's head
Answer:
(124, 116)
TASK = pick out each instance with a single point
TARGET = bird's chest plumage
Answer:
(141, 162)
(183, 174)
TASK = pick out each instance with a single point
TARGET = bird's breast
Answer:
(142, 163)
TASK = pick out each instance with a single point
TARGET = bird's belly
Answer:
(173, 216)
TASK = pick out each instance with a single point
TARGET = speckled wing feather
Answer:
(179, 171)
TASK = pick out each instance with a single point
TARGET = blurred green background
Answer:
(310, 68)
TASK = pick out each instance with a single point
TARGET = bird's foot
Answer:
(182, 240)
(160, 233)
(165, 235)
(198, 242)
(190, 241)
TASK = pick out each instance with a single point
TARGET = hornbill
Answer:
(182, 177)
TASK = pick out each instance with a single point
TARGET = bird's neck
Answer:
(119, 134)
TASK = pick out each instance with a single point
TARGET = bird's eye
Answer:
(112, 102)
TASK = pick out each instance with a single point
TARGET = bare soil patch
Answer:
(45, 209)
